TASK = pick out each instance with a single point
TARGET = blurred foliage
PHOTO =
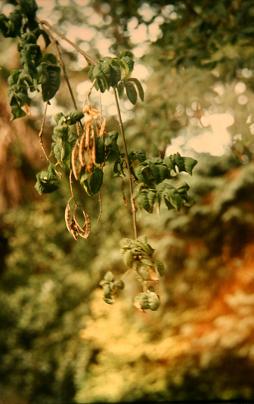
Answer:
(58, 340)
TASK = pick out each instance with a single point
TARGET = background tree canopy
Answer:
(59, 341)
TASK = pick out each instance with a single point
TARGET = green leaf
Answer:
(100, 150)
(14, 23)
(96, 180)
(144, 200)
(139, 88)
(101, 84)
(189, 164)
(111, 147)
(17, 112)
(45, 37)
(4, 28)
(128, 63)
(28, 7)
(30, 56)
(120, 89)
(137, 156)
(74, 117)
(50, 87)
(49, 58)
(182, 163)
(131, 92)
(93, 184)
(47, 181)
(14, 77)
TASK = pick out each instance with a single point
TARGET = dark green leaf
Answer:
(74, 117)
(189, 164)
(17, 111)
(50, 87)
(131, 92)
(139, 88)
(14, 23)
(128, 63)
(4, 29)
(45, 37)
(120, 88)
(49, 58)
(145, 199)
(28, 7)
(100, 150)
(111, 147)
(47, 181)
(182, 163)
(94, 182)
(137, 156)
(14, 77)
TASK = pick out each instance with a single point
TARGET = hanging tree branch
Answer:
(132, 201)
(88, 58)
(83, 155)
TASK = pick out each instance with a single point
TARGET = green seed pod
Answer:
(108, 300)
(107, 291)
(153, 301)
(109, 277)
(141, 301)
(119, 285)
(128, 258)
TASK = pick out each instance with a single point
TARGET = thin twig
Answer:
(41, 131)
(90, 91)
(61, 61)
(133, 207)
(100, 207)
(66, 78)
(88, 58)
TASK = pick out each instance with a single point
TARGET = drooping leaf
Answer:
(50, 87)
(120, 88)
(181, 163)
(189, 164)
(112, 151)
(14, 23)
(17, 112)
(139, 87)
(47, 181)
(28, 7)
(131, 92)
(45, 37)
(100, 150)
(143, 201)
(137, 156)
(94, 182)
(74, 117)
(4, 29)
(127, 62)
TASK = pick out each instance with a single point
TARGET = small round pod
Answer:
(153, 301)
(119, 285)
